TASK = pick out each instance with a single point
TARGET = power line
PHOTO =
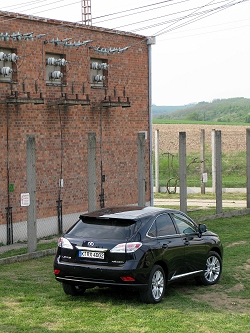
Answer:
(29, 4)
(195, 13)
(189, 15)
(154, 18)
(211, 12)
(203, 33)
(140, 12)
(49, 9)
(24, 4)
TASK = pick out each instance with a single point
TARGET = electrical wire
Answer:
(171, 14)
(194, 12)
(207, 32)
(155, 18)
(24, 4)
(30, 3)
(129, 10)
(212, 11)
(49, 9)
(45, 10)
(176, 20)
(140, 12)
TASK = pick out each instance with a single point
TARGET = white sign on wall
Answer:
(204, 177)
(25, 199)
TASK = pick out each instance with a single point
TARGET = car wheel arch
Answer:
(215, 249)
(164, 267)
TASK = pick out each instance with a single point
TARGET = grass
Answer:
(24, 250)
(196, 122)
(32, 301)
(225, 196)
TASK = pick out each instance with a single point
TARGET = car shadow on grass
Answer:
(128, 295)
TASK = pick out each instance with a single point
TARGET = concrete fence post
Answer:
(213, 160)
(218, 176)
(183, 171)
(141, 169)
(202, 161)
(157, 185)
(31, 189)
(91, 172)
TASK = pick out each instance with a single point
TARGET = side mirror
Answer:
(202, 228)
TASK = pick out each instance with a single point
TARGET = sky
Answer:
(196, 58)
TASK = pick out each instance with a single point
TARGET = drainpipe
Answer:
(150, 41)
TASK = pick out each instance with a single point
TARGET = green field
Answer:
(194, 122)
(31, 300)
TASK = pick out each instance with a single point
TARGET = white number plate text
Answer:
(91, 254)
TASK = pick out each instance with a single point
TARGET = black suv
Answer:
(141, 248)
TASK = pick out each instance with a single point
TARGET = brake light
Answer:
(126, 247)
(64, 243)
(127, 278)
(57, 271)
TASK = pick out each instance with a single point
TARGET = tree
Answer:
(193, 116)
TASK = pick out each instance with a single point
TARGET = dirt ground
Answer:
(233, 138)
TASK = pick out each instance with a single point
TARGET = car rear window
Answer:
(99, 228)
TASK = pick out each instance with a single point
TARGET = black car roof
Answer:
(125, 212)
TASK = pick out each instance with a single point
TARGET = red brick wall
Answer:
(63, 131)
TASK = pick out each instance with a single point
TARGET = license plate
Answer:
(91, 254)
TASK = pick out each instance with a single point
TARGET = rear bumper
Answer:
(93, 283)
(95, 275)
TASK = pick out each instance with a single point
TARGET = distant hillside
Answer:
(220, 110)
(164, 110)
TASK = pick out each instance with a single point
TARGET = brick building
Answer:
(80, 94)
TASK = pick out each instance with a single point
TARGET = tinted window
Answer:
(103, 228)
(162, 226)
(184, 225)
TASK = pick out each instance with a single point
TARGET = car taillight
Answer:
(57, 271)
(64, 243)
(127, 278)
(126, 247)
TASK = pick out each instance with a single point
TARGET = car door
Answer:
(171, 245)
(196, 248)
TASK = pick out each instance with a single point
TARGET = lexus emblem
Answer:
(91, 243)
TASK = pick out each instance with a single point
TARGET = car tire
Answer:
(212, 271)
(72, 290)
(156, 286)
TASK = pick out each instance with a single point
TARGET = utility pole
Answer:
(86, 12)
